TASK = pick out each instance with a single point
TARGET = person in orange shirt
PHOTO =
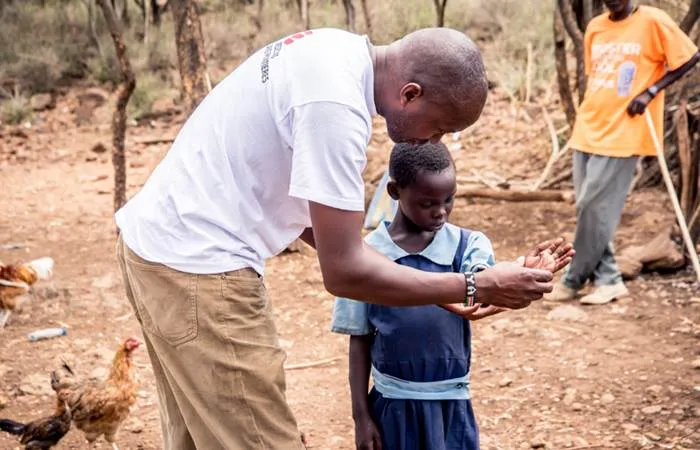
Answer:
(628, 52)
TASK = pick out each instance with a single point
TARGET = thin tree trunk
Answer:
(126, 87)
(192, 60)
(304, 7)
(349, 14)
(567, 15)
(368, 19)
(692, 16)
(146, 20)
(567, 99)
(440, 6)
(587, 12)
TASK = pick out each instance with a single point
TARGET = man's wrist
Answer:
(653, 90)
(470, 289)
(483, 282)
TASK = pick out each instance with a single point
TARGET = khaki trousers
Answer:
(216, 357)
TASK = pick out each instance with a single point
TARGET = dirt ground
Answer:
(620, 376)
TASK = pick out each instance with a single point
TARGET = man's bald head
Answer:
(435, 83)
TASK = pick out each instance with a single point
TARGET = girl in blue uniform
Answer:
(419, 357)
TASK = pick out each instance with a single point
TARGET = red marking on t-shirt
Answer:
(308, 32)
(298, 36)
(288, 41)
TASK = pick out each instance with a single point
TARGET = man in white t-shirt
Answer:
(273, 153)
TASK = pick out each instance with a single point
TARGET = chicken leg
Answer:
(4, 318)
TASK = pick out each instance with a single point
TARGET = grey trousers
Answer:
(601, 185)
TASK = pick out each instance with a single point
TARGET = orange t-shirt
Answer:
(622, 60)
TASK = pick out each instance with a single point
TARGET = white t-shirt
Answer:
(290, 125)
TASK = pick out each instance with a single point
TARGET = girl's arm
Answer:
(366, 434)
(359, 375)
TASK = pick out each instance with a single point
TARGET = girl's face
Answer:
(428, 201)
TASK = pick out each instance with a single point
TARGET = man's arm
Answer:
(640, 102)
(354, 270)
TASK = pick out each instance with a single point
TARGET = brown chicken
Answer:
(16, 281)
(99, 408)
(44, 433)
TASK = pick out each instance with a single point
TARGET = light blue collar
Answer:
(441, 250)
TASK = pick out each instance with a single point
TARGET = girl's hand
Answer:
(367, 435)
(552, 255)
(472, 313)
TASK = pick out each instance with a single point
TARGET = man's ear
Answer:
(410, 92)
(393, 189)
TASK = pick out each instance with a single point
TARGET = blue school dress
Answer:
(420, 355)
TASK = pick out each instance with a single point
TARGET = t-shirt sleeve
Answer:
(479, 253)
(671, 44)
(350, 317)
(329, 143)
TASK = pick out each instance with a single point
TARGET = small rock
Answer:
(653, 437)
(607, 398)
(99, 373)
(696, 364)
(136, 426)
(652, 409)
(567, 313)
(3, 401)
(99, 148)
(629, 427)
(538, 444)
(569, 396)
(577, 407)
(40, 102)
(505, 382)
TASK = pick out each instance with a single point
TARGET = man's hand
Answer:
(552, 255)
(472, 313)
(366, 435)
(509, 285)
(639, 103)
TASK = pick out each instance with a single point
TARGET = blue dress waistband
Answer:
(396, 388)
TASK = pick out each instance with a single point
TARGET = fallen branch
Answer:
(558, 179)
(516, 195)
(306, 365)
(154, 140)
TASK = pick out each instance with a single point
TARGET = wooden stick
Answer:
(559, 178)
(672, 193)
(311, 363)
(555, 149)
(512, 195)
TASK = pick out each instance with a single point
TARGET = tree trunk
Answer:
(587, 12)
(440, 6)
(567, 99)
(126, 87)
(572, 28)
(156, 11)
(368, 19)
(192, 60)
(692, 16)
(305, 14)
(349, 14)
